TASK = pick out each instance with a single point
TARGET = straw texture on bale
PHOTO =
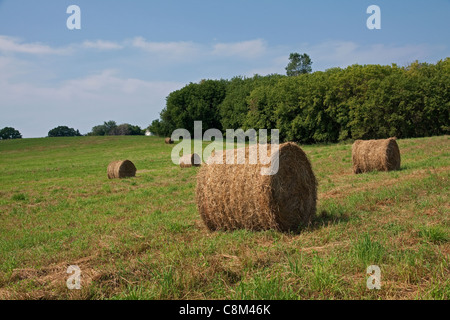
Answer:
(238, 196)
(168, 141)
(371, 155)
(121, 169)
(190, 160)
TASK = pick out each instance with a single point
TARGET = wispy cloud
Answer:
(102, 45)
(168, 49)
(244, 49)
(15, 45)
(110, 80)
(241, 49)
(106, 95)
(344, 53)
(324, 55)
(331, 54)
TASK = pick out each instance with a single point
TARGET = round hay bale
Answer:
(168, 141)
(190, 160)
(370, 155)
(121, 169)
(238, 196)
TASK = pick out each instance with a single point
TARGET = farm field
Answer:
(143, 238)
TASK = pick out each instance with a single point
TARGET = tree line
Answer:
(111, 128)
(358, 102)
(108, 128)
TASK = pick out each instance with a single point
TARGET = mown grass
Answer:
(142, 238)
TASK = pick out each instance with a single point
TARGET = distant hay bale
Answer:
(371, 155)
(190, 160)
(168, 141)
(238, 196)
(121, 169)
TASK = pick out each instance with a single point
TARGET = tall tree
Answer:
(298, 64)
(109, 127)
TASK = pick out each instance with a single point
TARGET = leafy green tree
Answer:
(237, 107)
(99, 130)
(120, 130)
(196, 101)
(358, 102)
(160, 128)
(136, 130)
(64, 131)
(155, 128)
(107, 128)
(298, 64)
(10, 133)
(110, 126)
(126, 129)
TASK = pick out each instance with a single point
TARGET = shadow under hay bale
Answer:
(371, 155)
(168, 141)
(238, 196)
(121, 169)
(190, 160)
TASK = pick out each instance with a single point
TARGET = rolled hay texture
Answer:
(371, 155)
(121, 169)
(238, 196)
(168, 141)
(190, 160)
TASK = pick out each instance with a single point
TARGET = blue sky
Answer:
(129, 55)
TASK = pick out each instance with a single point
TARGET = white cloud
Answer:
(102, 45)
(331, 54)
(14, 45)
(344, 53)
(82, 103)
(244, 49)
(188, 50)
(168, 49)
(109, 81)
(11, 68)
(274, 65)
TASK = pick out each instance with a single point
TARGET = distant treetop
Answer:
(63, 131)
(298, 64)
(9, 133)
(110, 128)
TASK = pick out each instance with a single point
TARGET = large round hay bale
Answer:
(190, 160)
(370, 155)
(238, 196)
(168, 141)
(121, 169)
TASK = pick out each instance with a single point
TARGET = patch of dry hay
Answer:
(52, 281)
(370, 155)
(121, 169)
(190, 160)
(237, 196)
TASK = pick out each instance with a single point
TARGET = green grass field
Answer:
(142, 238)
